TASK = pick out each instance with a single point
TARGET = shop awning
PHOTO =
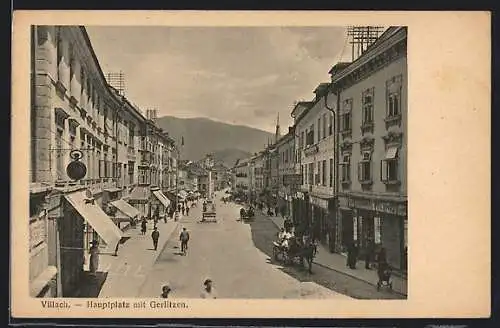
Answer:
(95, 216)
(162, 198)
(391, 153)
(126, 208)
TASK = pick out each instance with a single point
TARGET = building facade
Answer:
(286, 170)
(373, 123)
(315, 137)
(77, 117)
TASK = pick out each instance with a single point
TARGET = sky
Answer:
(236, 75)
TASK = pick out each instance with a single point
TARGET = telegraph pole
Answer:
(361, 37)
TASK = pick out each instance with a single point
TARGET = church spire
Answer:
(278, 131)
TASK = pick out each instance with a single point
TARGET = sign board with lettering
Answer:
(292, 179)
(323, 203)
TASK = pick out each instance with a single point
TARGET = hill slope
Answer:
(202, 136)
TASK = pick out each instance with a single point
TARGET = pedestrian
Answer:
(382, 264)
(155, 235)
(176, 216)
(156, 214)
(183, 209)
(184, 238)
(179, 207)
(187, 211)
(165, 291)
(143, 226)
(94, 257)
(276, 210)
(370, 247)
(208, 289)
(352, 254)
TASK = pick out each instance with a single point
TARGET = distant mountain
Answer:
(203, 136)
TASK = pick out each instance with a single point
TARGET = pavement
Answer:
(124, 274)
(225, 251)
(337, 262)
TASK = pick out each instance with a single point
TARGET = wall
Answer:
(378, 82)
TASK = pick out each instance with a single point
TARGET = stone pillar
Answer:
(42, 109)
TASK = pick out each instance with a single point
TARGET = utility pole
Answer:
(361, 37)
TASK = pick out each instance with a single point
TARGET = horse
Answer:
(297, 250)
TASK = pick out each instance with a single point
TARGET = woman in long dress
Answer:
(94, 257)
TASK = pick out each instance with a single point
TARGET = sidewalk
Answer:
(126, 272)
(337, 262)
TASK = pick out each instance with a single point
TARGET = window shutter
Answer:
(382, 170)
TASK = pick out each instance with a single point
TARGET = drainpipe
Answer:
(336, 156)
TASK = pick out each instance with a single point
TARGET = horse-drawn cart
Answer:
(295, 251)
(247, 215)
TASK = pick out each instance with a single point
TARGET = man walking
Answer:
(184, 238)
(187, 210)
(155, 235)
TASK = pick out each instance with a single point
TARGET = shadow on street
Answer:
(92, 285)
(264, 232)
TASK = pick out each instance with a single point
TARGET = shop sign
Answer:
(38, 232)
(364, 204)
(386, 207)
(355, 227)
(320, 202)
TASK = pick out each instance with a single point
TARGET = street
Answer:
(237, 257)
(225, 252)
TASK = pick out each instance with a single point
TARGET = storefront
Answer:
(382, 221)
(301, 210)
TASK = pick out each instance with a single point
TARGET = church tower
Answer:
(278, 131)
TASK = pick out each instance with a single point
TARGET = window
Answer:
(368, 106)
(346, 115)
(331, 172)
(310, 178)
(393, 89)
(144, 177)
(324, 126)
(59, 155)
(364, 169)
(393, 105)
(301, 141)
(346, 168)
(330, 124)
(389, 166)
(318, 174)
(323, 171)
(310, 136)
(319, 130)
(82, 87)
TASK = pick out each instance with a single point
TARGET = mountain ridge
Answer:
(203, 136)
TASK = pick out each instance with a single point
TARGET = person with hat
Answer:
(165, 290)
(184, 239)
(94, 257)
(155, 235)
(208, 289)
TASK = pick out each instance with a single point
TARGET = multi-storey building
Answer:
(77, 116)
(372, 104)
(315, 147)
(241, 174)
(286, 169)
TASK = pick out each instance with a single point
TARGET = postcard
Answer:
(250, 164)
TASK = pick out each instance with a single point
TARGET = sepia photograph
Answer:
(161, 164)
(219, 162)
